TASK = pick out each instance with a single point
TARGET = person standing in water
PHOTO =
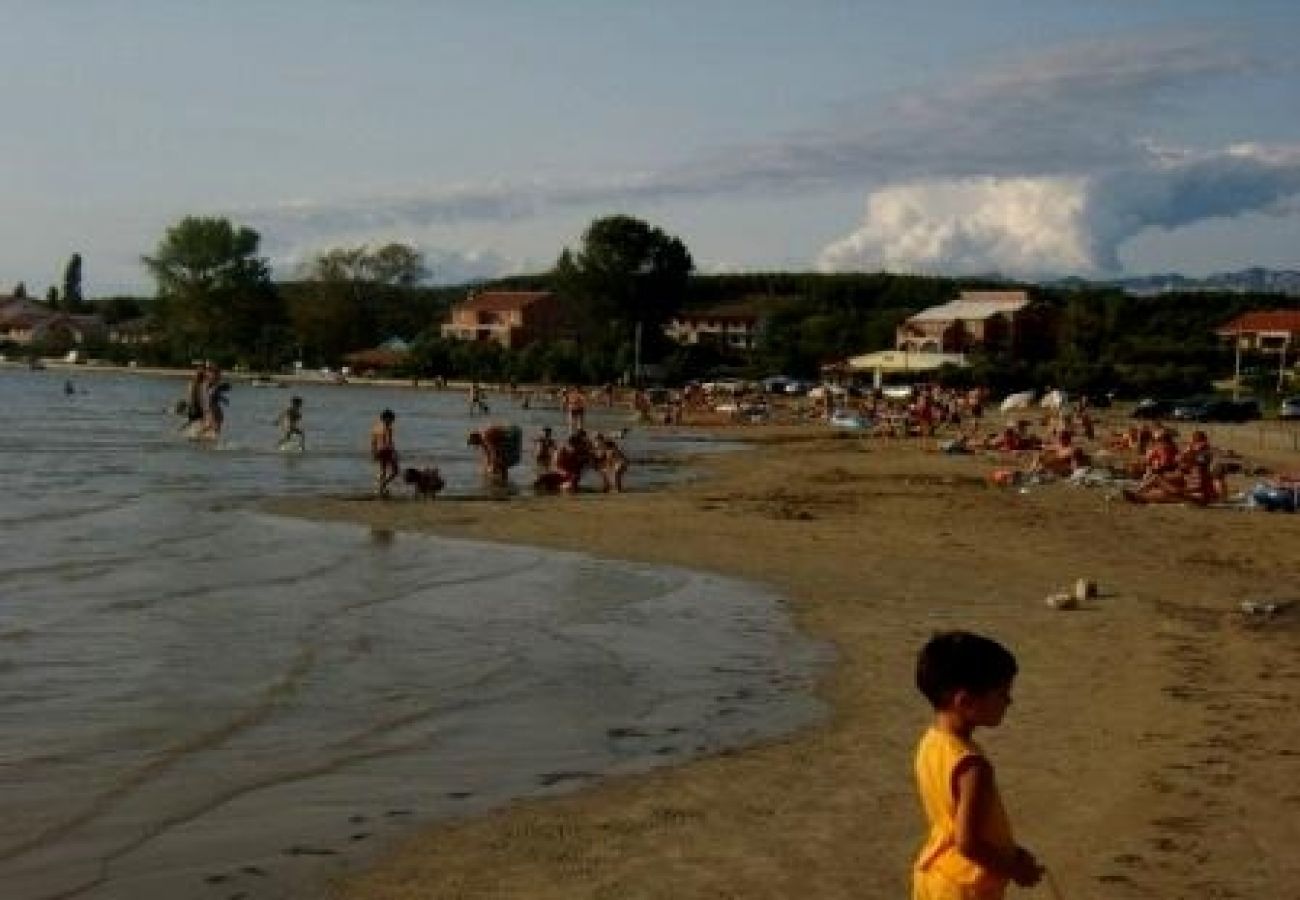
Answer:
(291, 421)
(476, 402)
(192, 405)
(214, 398)
(383, 450)
(575, 408)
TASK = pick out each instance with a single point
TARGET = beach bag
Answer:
(1274, 497)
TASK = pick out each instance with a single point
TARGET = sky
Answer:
(1031, 139)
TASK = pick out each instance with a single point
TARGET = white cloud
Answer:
(1017, 226)
(1047, 225)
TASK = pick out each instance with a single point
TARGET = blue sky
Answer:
(1029, 138)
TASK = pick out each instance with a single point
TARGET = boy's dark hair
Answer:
(958, 660)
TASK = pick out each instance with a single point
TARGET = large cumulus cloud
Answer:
(1053, 225)
(1040, 164)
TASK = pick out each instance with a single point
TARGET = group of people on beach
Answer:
(558, 465)
(1145, 459)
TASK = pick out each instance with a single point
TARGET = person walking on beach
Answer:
(970, 853)
(383, 450)
(291, 421)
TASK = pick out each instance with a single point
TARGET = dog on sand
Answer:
(425, 483)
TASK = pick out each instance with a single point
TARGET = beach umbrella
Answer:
(1021, 400)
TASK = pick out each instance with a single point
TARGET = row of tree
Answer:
(216, 299)
(70, 299)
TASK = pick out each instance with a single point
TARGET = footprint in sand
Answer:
(299, 850)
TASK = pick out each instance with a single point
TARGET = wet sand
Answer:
(1151, 752)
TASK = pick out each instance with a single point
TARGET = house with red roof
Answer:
(512, 319)
(26, 322)
(1267, 330)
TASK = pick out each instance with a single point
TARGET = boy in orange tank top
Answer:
(970, 853)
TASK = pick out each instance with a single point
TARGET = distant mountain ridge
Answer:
(1255, 280)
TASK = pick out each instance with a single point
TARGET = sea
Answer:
(199, 699)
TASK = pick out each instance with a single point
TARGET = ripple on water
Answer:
(206, 693)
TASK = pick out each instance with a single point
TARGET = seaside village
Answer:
(1157, 450)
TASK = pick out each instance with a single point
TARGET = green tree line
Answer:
(623, 280)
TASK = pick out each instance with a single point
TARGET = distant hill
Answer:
(1247, 281)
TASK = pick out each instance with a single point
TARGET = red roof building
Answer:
(25, 322)
(513, 319)
(1270, 330)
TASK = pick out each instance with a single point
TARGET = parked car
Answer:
(1216, 409)
(1154, 409)
(1249, 409)
(1289, 408)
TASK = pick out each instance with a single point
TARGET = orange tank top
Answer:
(937, 759)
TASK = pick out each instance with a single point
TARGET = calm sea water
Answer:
(200, 700)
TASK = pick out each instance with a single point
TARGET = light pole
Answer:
(636, 356)
(1236, 365)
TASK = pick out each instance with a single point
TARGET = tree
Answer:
(52, 297)
(353, 296)
(119, 308)
(627, 276)
(398, 265)
(214, 292)
(72, 298)
(20, 291)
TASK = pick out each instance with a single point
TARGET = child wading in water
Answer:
(291, 421)
(970, 853)
(384, 452)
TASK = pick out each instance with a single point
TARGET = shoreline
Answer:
(1139, 711)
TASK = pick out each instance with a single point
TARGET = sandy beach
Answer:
(1151, 751)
